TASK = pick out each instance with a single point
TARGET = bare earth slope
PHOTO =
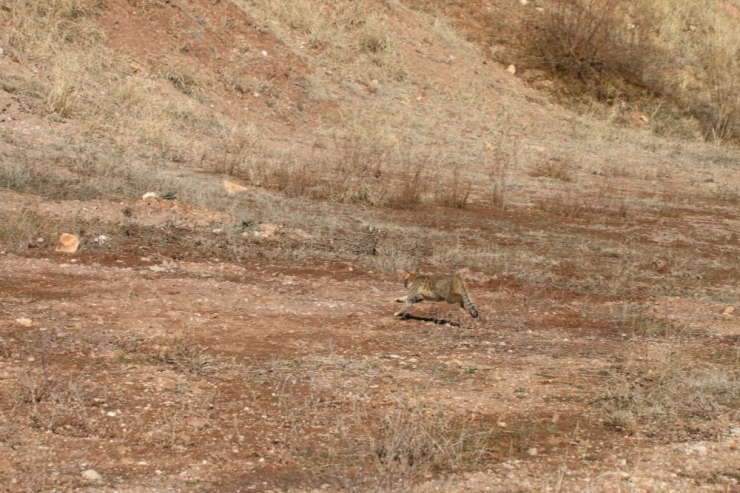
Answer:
(201, 341)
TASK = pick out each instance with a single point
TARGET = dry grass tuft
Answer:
(414, 439)
(555, 168)
(670, 397)
(455, 192)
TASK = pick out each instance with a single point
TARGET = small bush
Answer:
(409, 190)
(418, 439)
(671, 397)
(590, 44)
(555, 168)
(454, 192)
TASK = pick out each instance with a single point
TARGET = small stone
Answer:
(25, 322)
(532, 451)
(511, 69)
(735, 432)
(150, 195)
(91, 475)
(729, 310)
(112, 414)
(68, 243)
(264, 53)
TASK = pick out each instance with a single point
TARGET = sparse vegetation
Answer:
(205, 339)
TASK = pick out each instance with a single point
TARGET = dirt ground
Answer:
(217, 376)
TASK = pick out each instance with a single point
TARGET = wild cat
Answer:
(451, 288)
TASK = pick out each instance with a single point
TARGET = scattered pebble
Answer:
(150, 195)
(25, 322)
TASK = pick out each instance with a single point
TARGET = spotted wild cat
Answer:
(451, 288)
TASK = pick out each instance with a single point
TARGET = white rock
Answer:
(511, 69)
(91, 475)
(25, 322)
(101, 239)
(232, 188)
(532, 451)
(150, 195)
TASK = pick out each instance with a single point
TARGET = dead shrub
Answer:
(184, 79)
(233, 152)
(555, 168)
(723, 114)
(409, 189)
(671, 398)
(183, 355)
(298, 178)
(591, 45)
(415, 439)
(53, 404)
(454, 192)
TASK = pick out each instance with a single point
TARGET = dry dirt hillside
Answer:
(201, 339)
